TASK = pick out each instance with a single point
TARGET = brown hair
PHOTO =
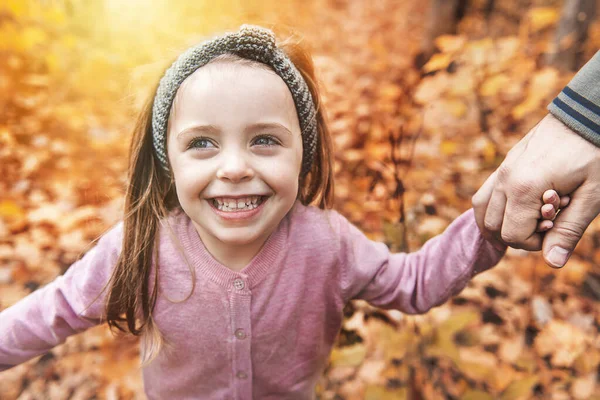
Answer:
(151, 196)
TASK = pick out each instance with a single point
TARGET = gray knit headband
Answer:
(251, 42)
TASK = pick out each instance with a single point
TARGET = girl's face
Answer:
(233, 135)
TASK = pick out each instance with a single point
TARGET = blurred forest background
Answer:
(425, 99)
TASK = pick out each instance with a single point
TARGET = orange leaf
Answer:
(542, 17)
(450, 43)
(437, 62)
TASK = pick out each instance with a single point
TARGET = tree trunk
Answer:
(571, 34)
(442, 20)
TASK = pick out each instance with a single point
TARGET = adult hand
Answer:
(550, 156)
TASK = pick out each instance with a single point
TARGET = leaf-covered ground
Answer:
(69, 90)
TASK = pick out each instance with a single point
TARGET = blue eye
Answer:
(265, 141)
(197, 143)
(205, 143)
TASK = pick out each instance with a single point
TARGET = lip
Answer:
(239, 196)
(237, 215)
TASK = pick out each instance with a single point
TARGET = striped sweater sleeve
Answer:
(578, 104)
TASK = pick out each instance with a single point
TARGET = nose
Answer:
(234, 167)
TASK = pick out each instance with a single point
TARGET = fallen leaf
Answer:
(520, 389)
(437, 62)
(542, 17)
(351, 356)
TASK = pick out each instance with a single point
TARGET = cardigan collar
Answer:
(266, 259)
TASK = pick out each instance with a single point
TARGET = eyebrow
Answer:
(250, 128)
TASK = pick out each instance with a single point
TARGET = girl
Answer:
(234, 282)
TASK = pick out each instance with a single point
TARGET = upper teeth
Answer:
(229, 203)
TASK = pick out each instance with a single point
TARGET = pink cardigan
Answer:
(264, 332)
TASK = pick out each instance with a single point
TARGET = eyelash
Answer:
(201, 139)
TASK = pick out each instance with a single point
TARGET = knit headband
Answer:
(251, 42)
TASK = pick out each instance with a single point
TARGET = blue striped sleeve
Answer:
(578, 104)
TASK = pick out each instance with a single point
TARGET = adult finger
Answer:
(494, 215)
(521, 217)
(480, 202)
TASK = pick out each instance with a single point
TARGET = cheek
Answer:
(285, 178)
(188, 182)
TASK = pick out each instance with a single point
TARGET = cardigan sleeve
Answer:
(578, 104)
(413, 282)
(45, 318)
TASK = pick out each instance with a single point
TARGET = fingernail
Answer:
(558, 256)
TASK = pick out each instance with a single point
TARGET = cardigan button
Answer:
(240, 334)
(239, 284)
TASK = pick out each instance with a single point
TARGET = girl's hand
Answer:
(553, 203)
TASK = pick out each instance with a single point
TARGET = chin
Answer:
(238, 238)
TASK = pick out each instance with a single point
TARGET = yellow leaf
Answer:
(53, 62)
(456, 107)
(17, 8)
(542, 17)
(393, 343)
(374, 392)
(450, 43)
(473, 370)
(394, 233)
(476, 395)
(493, 85)
(448, 147)
(437, 62)
(587, 362)
(349, 356)
(444, 347)
(526, 362)
(519, 389)
(479, 51)
(458, 322)
(69, 41)
(6, 137)
(489, 152)
(55, 16)
(9, 209)
(9, 38)
(31, 37)
(525, 108)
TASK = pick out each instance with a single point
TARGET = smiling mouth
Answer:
(237, 205)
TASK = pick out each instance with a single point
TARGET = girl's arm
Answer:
(413, 282)
(46, 317)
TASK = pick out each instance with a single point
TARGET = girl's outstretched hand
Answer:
(553, 203)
